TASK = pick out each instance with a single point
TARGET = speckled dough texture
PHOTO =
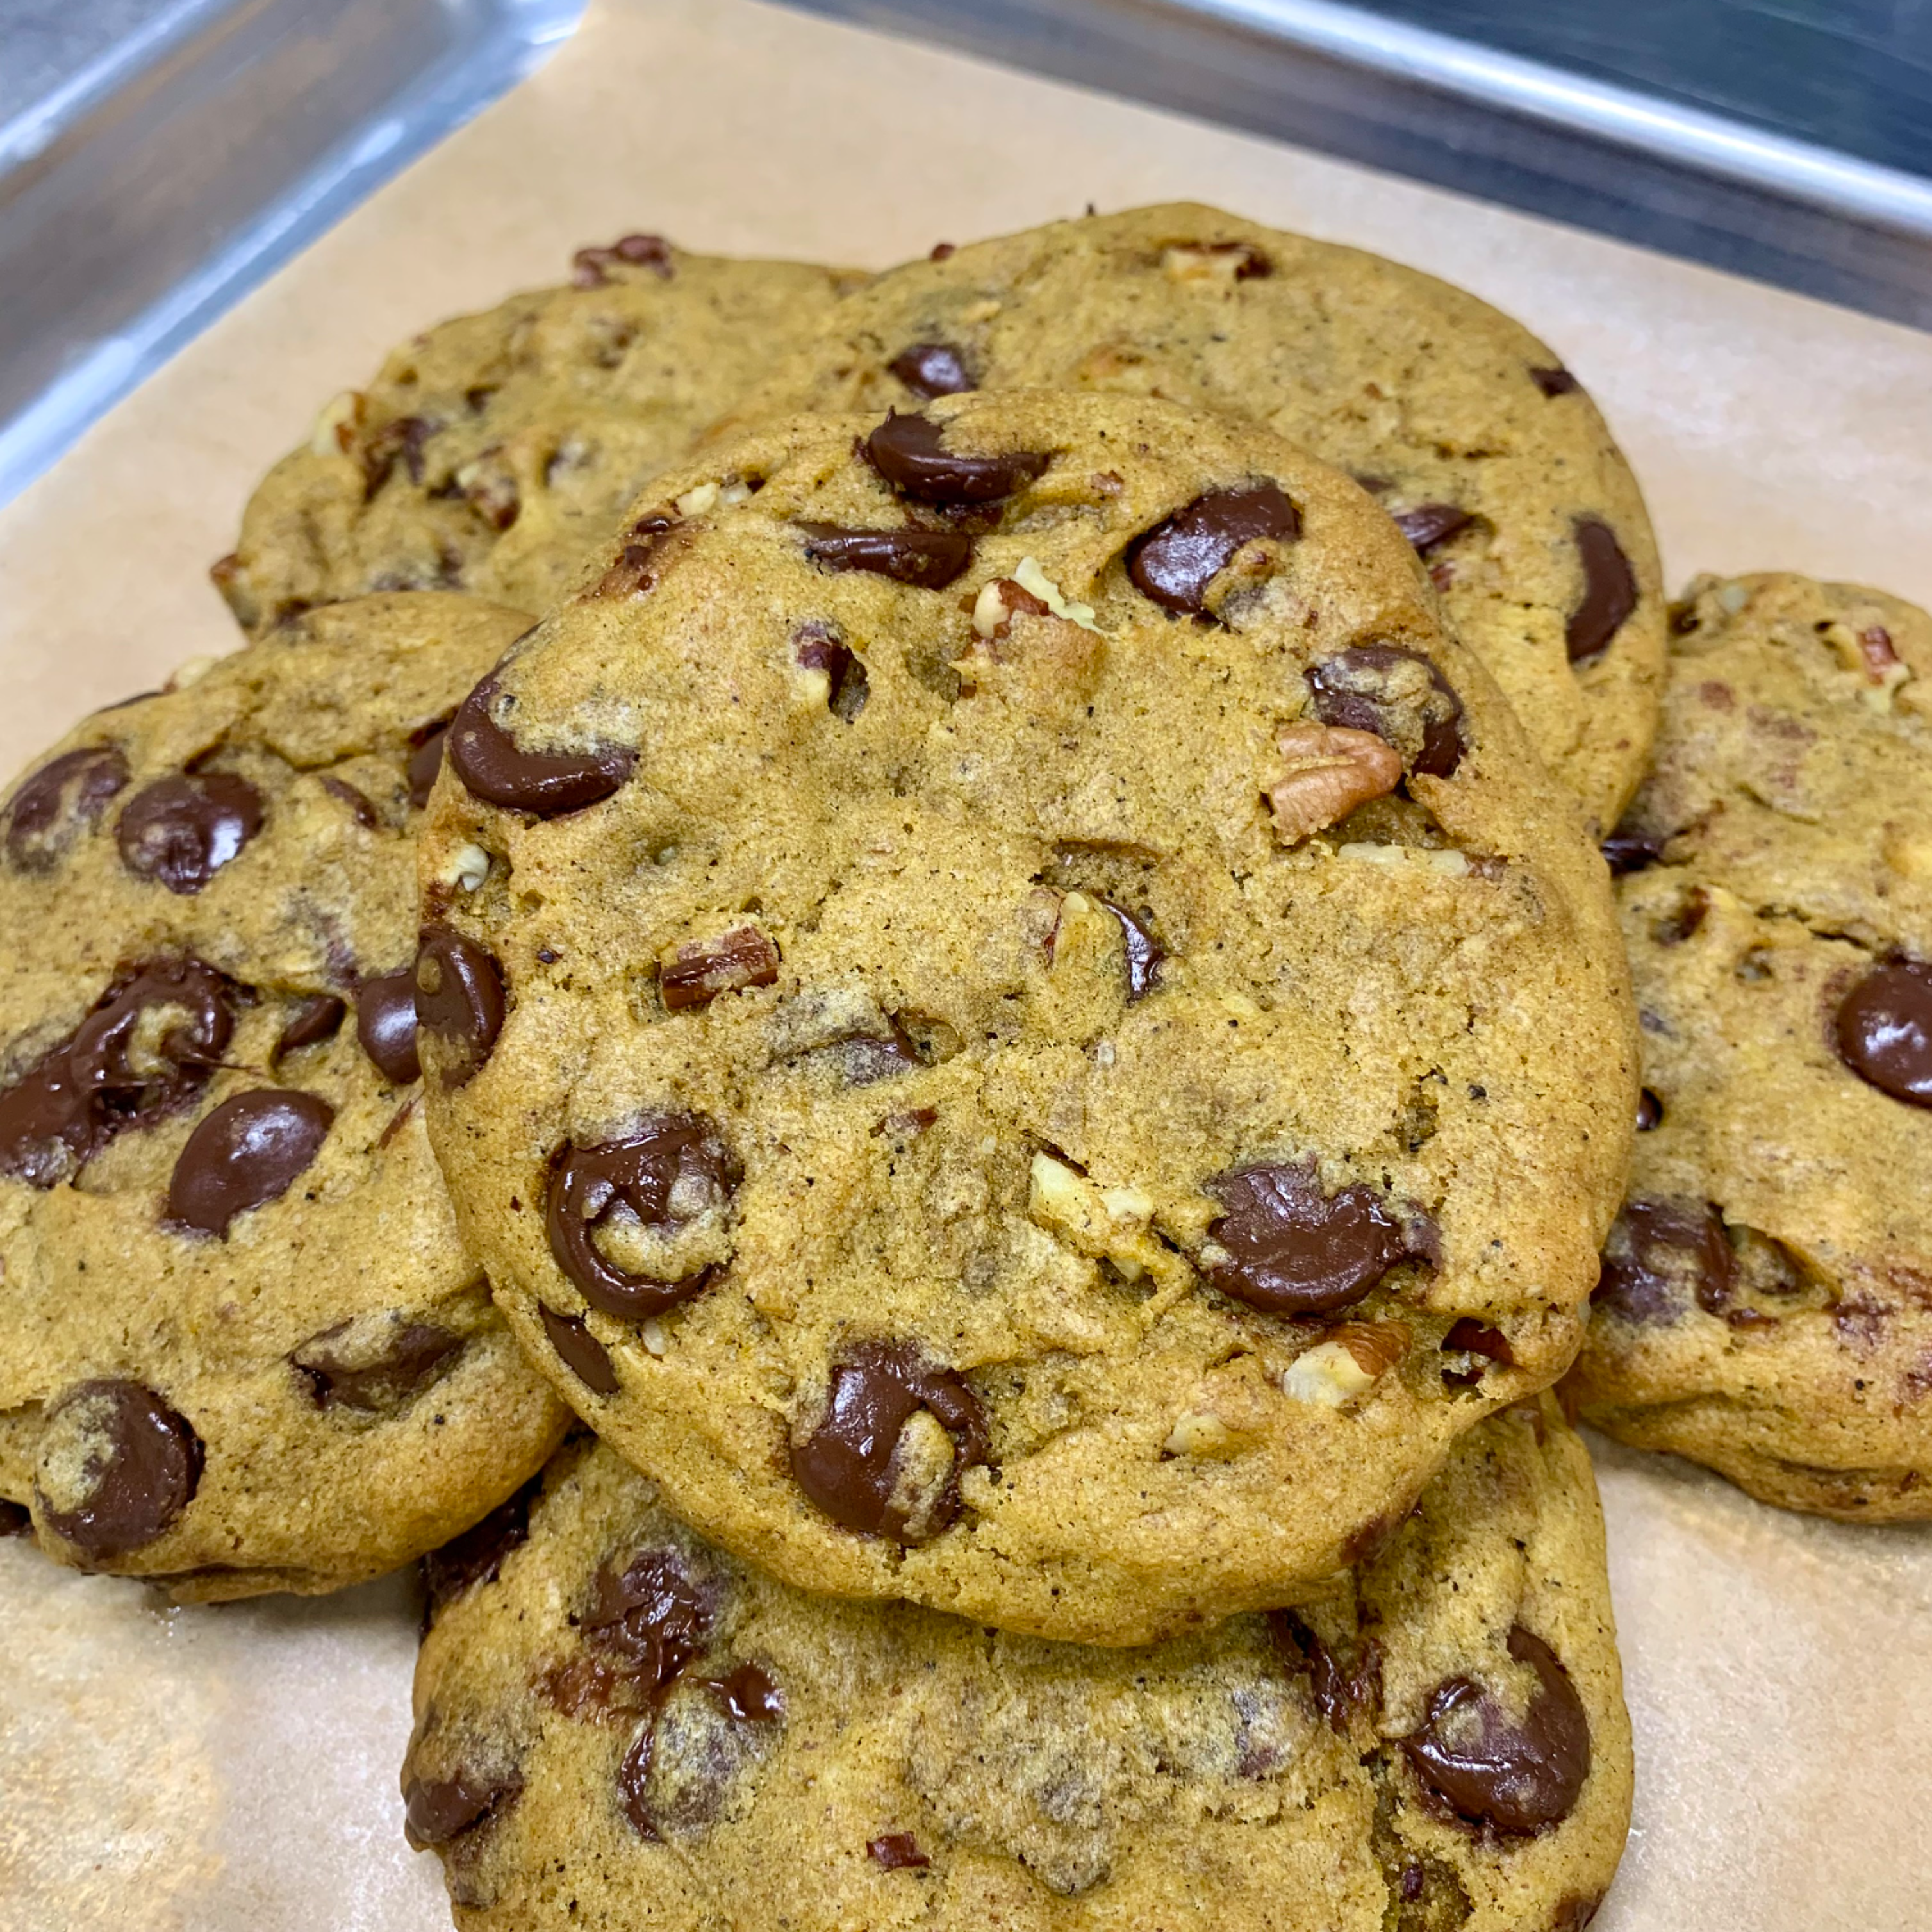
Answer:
(1466, 426)
(493, 452)
(618, 1726)
(264, 1360)
(912, 1051)
(1767, 1301)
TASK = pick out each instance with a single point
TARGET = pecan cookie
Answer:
(493, 452)
(1766, 1301)
(242, 1347)
(1493, 461)
(1013, 1023)
(611, 1711)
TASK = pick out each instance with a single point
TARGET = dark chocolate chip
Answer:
(1339, 1693)
(52, 806)
(639, 1178)
(494, 768)
(360, 808)
(896, 1851)
(404, 437)
(459, 999)
(250, 1151)
(425, 761)
(655, 1615)
(818, 646)
(1374, 687)
(866, 1057)
(1884, 1031)
(438, 1809)
(1626, 849)
(1675, 927)
(1554, 382)
(1293, 1250)
(1144, 954)
(1429, 524)
(1659, 1257)
(1649, 1112)
(926, 560)
(748, 1694)
(1176, 561)
(930, 369)
(1609, 589)
(579, 1350)
(587, 265)
(312, 1020)
(128, 1464)
(15, 1518)
(699, 972)
(181, 831)
(1517, 1776)
(478, 1555)
(412, 1356)
(908, 452)
(849, 1465)
(385, 1024)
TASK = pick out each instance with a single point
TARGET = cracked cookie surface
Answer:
(242, 1346)
(1488, 452)
(493, 452)
(616, 1725)
(1766, 1301)
(1018, 1027)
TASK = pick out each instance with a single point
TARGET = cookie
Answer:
(1766, 1301)
(617, 1725)
(242, 1346)
(490, 453)
(1020, 1029)
(1492, 460)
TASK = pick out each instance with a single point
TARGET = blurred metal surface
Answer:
(204, 143)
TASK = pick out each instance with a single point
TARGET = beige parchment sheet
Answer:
(234, 1770)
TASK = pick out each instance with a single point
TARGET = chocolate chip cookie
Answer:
(242, 1347)
(490, 453)
(1013, 1022)
(612, 1713)
(1766, 1301)
(1486, 450)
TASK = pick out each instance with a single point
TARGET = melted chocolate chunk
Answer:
(425, 761)
(1292, 1250)
(654, 1615)
(415, 1354)
(1468, 1336)
(579, 1350)
(1517, 1776)
(360, 808)
(1429, 524)
(698, 973)
(926, 560)
(1660, 1256)
(386, 1025)
(930, 369)
(138, 1460)
(1627, 849)
(1374, 688)
(1649, 1112)
(849, 1465)
(817, 646)
(494, 768)
(907, 451)
(1144, 952)
(665, 1174)
(15, 1518)
(403, 438)
(1609, 589)
(1339, 1693)
(748, 1694)
(478, 1555)
(313, 1020)
(459, 998)
(58, 801)
(866, 1057)
(896, 1851)
(181, 831)
(1884, 1031)
(249, 1151)
(436, 1811)
(1176, 561)
(1554, 382)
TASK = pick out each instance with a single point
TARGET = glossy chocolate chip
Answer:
(181, 831)
(312, 1021)
(360, 808)
(698, 973)
(118, 1465)
(909, 453)
(579, 1350)
(1339, 1693)
(425, 761)
(1144, 954)
(670, 1171)
(411, 1357)
(1554, 381)
(1662, 1256)
(818, 646)
(930, 369)
(655, 1614)
(15, 1518)
(459, 999)
(1175, 562)
(1626, 849)
(1429, 524)
(896, 1851)
(926, 560)
(385, 1024)
(478, 1555)
(1518, 1776)
(1291, 1250)
(250, 1151)
(851, 1464)
(436, 1811)
(494, 768)
(1884, 1031)
(1649, 1112)
(1375, 688)
(57, 802)
(748, 1694)
(1609, 589)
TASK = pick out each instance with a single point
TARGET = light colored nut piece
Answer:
(999, 602)
(465, 869)
(1199, 1433)
(1216, 263)
(1071, 1207)
(1032, 579)
(337, 427)
(1327, 771)
(191, 670)
(697, 500)
(1377, 1346)
(1445, 859)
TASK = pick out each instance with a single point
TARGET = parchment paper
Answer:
(234, 1770)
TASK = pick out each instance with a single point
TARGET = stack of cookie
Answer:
(961, 911)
